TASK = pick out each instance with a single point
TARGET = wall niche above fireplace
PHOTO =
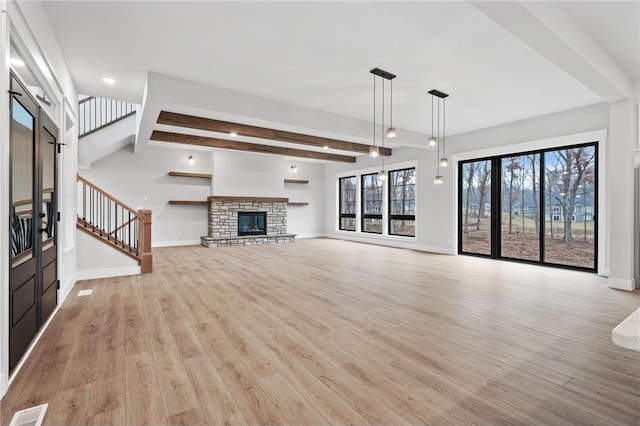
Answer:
(252, 223)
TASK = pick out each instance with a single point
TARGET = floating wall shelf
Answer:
(188, 203)
(298, 204)
(191, 175)
(296, 181)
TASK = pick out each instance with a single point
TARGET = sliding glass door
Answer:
(537, 206)
(475, 207)
(520, 200)
(570, 195)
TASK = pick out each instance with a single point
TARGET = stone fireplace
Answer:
(229, 215)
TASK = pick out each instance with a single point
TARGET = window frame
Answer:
(404, 217)
(347, 215)
(364, 215)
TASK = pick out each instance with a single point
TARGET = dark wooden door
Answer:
(32, 220)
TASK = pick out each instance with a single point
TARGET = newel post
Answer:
(146, 258)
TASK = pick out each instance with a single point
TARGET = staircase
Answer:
(111, 221)
(97, 113)
(104, 127)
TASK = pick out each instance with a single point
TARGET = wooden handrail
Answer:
(114, 199)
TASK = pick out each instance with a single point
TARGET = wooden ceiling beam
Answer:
(201, 123)
(161, 136)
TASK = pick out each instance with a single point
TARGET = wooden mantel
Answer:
(242, 198)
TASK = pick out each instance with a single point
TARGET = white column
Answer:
(620, 192)
(4, 197)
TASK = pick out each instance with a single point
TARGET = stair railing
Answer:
(109, 219)
(97, 113)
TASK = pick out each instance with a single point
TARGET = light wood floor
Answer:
(324, 331)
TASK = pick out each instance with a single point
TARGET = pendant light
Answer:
(382, 174)
(374, 151)
(390, 133)
(435, 141)
(444, 161)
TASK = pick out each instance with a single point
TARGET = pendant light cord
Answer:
(431, 115)
(391, 112)
(374, 110)
(382, 121)
(438, 137)
(444, 127)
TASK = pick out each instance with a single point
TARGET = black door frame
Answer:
(21, 335)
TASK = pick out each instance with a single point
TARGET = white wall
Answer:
(247, 174)
(305, 221)
(27, 25)
(142, 181)
(97, 260)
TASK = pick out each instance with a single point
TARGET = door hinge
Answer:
(58, 284)
(58, 216)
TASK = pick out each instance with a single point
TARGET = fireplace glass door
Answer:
(252, 223)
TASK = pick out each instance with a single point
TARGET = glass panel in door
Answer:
(21, 222)
(475, 223)
(570, 208)
(520, 224)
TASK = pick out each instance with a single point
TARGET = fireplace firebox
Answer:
(252, 223)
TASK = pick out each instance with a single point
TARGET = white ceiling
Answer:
(318, 55)
(615, 26)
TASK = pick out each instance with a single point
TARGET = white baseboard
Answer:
(390, 242)
(303, 236)
(622, 284)
(175, 243)
(107, 273)
(65, 289)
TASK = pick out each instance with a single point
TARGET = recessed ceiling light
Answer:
(109, 80)
(233, 134)
(16, 61)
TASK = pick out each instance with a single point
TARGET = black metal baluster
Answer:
(84, 202)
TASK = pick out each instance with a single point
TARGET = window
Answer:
(372, 203)
(573, 218)
(347, 190)
(588, 209)
(588, 217)
(556, 209)
(402, 202)
(556, 218)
